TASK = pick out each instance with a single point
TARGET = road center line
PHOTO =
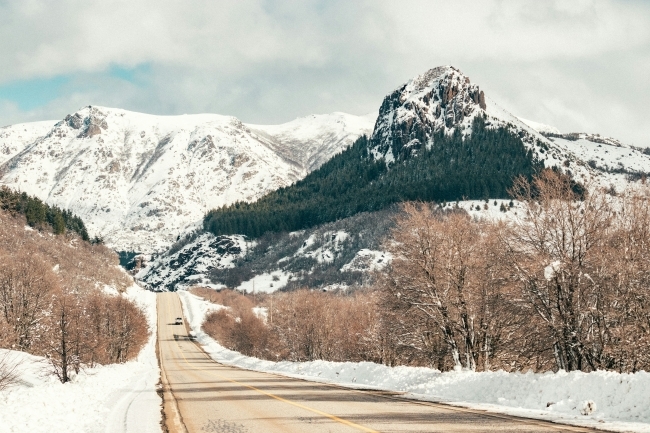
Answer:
(284, 400)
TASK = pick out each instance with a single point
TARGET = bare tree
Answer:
(8, 370)
(622, 325)
(63, 334)
(555, 250)
(25, 287)
(444, 280)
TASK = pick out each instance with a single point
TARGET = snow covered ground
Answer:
(118, 398)
(605, 400)
(267, 282)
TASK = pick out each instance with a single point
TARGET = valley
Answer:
(434, 250)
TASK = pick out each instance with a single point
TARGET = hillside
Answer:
(478, 166)
(437, 138)
(74, 260)
(337, 254)
(44, 274)
(139, 181)
(39, 215)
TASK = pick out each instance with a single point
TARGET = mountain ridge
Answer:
(140, 181)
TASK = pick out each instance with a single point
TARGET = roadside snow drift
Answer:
(606, 400)
(119, 398)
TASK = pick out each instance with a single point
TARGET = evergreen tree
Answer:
(41, 215)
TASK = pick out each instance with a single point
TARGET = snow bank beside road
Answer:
(118, 398)
(618, 402)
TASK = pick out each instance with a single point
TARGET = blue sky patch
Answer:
(137, 75)
(37, 92)
(30, 94)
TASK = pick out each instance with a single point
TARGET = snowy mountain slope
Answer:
(540, 127)
(310, 141)
(605, 154)
(341, 253)
(141, 180)
(15, 138)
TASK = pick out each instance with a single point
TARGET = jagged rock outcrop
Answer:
(441, 99)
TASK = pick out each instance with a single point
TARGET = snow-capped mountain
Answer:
(140, 180)
(311, 141)
(444, 99)
(441, 99)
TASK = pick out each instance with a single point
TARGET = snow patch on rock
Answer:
(368, 261)
(540, 127)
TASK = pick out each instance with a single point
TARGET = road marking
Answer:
(316, 411)
(284, 400)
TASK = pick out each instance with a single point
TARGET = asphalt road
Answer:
(202, 395)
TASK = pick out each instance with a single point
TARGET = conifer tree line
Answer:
(479, 166)
(562, 286)
(40, 215)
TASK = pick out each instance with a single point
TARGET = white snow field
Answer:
(119, 398)
(604, 400)
(140, 180)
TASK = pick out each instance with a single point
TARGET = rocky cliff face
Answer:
(140, 181)
(441, 99)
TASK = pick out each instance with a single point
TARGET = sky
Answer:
(579, 65)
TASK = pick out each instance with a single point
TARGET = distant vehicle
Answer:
(179, 321)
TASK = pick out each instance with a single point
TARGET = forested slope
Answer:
(39, 214)
(478, 166)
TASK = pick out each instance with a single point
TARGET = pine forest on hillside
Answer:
(39, 214)
(482, 165)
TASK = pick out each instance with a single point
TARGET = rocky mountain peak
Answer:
(442, 98)
(89, 120)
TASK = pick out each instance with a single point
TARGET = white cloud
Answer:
(581, 64)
